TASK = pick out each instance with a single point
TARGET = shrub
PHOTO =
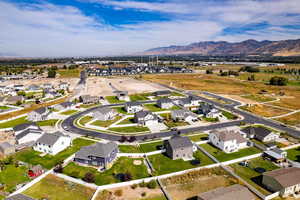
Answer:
(89, 177)
(134, 186)
(277, 80)
(142, 184)
(58, 169)
(144, 194)
(118, 193)
(152, 184)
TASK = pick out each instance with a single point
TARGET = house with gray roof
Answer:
(14, 99)
(165, 103)
(184, 115)
(88, 99)
(27, 133)
(133, 107)
(63, 106)
(38, 114)
(145, 118)
(162, 93)
(286, 181)
(52, 143)
(104, 114)
(99, 155)
(209, 111)
(19, 197)
(7, 148)
(122, 95)
(260, 133)
(63, 85)
(228, 193)
(178, 147)
(23, 127)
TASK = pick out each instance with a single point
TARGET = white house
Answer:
(52, 143)
(63, 85)
(122, 96)
(104, 114)
(27, 133)
(145, 118)
(165, 103)
(184, 115)
(38, 115)
(133, 107)
(227, 140)
(260, 133)
(63, 106)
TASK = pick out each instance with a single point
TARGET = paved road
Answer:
(68, 124)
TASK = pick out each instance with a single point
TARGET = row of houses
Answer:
(134, 69)
(33, 87)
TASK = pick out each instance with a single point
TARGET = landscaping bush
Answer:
(277, 80)
(58, 169)
(134, 186)
(89, 177)
(144, 194)
(142, 184)
(118, 193)
(152, 184)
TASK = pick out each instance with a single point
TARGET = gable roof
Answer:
(261, 131)
(162, 92)
(134, 103)
(143, 114)
(50, 138)
(164, 100)
(66, 104)
(19, 197)
(103, 110)
(228, 193)
(227, 135)
(178, 142)
(24, 126)
(27, 131)
(41, 110)
(98, 149)
(286, 177)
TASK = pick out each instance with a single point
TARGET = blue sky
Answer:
(47, 28)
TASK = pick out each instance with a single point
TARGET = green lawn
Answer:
(129, 129)
(69, 73)
(85, 120)
(294, 154)
(14, 122)
(163, 164)
(210, 119)
(121, 109)
(171, 123)
(155, 108)
(153, 146)
(12, 176)
(69, 112)
(121, 166)
(88, 105)
(222, 156)
(250, 175)
(113, 99)
(4, 107)
(49, 122)
(32, 157)
(54, 188)
(129, 120)
(200, 137)
(139, 97)
(129, 149)
(105, 123)
(229, 115)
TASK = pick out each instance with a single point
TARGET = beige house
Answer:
(286, 181)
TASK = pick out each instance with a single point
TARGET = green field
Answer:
(14, 122)
(229, 115)
(163, 164)
(54, 188)
(129, 120)
(113, 99)
(105, 123)
(152, 146)
(139, 97)
(129, 129)
(200, 137)
(294, 154)
(69, 73)
(250, 175)
(85, 120)
(33, 157)
(49, 122)
(121, 109)
(121, 166)
(12, 176)
(129, 149)
(69, 112)
(222, 156)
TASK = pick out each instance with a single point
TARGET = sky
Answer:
(61, 28)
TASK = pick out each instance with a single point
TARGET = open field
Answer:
(48, 161)
(250, 175)
(69, 73)
(52, 187)
(112, 175)
(189, 185)
(258, 97)
(264, 110)
(163, 164)
(293, 119)
(222, 156)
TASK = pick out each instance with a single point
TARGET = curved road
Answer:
(68, 123)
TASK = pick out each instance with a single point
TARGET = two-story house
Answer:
(178, 147)
(133, 107)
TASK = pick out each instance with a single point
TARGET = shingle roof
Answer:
(164, 100)
(24, 126)
(14, 98)
(5, 145)
(162, 92)
(19, 197)
(27, 131)
(286, 177)
(263, 132)
(179, 142)
(50, 138)
(228, 193)
(129, 104)
(98, 149)
(103, 110)
(227, 135)
(41, 110)
(142, 114)
(66, 104)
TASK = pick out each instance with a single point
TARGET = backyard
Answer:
(129, 120)
(199, 137)
(139, 97)
(294, 154)
(113, 99)
(49, 122)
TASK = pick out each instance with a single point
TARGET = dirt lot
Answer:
(100, 86)
(265, 110)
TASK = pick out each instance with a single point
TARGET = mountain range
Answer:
(247, 47)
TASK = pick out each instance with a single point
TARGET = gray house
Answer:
(87, 99)
(14, 99)
(260, 133)
(7, 148)
(165, 103)
(122, 95)
(162, 93)
(104, 114)
(184, 115)
(145, 118)
(178, 147)
(63, 106)
(38, 114)
(133, 107)
(99, 155)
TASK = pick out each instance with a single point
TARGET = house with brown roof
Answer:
(227, 140)
(228, 193)
(286, 181)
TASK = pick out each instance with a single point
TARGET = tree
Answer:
(51, 73)
(152, 184)
(58, 168)
(209, 71)
(89, 177)
(251, 78)
(277, 80)
(249, 69)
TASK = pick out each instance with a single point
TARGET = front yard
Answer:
(129, 129)
(129, 149)
(48, 161)
(199, 137)
(113, 175)
(52, 187)
(294, 154)
(151, 146)
(14, 122)
(49, 122)
(129, 120)
(121, 110)
(113, 99)
(164, 165)
(222, 156)
(105, 123)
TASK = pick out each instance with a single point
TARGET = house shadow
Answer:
(192, 198)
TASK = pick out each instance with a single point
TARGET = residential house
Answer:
(38, 114)
(260, 133)
(145, 118)
(232, 192)
(51, 94)
(185, 102)
(194, 100)
(14, 100)
(19, 197)
(63, 86)
(88, 99)
(286, 181)
(133, 107)
(178, 147)
(33, 88)
(52, 143)
(227, 140)
(47, 86)
(165, 103)
(162, 93)
(275, 154)
(104, 114)
(27, 134)
(99, 154)
(19, 87)
(210, 111)
(184, 115)
(63, 106)
(122, 95)
(7, 148)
